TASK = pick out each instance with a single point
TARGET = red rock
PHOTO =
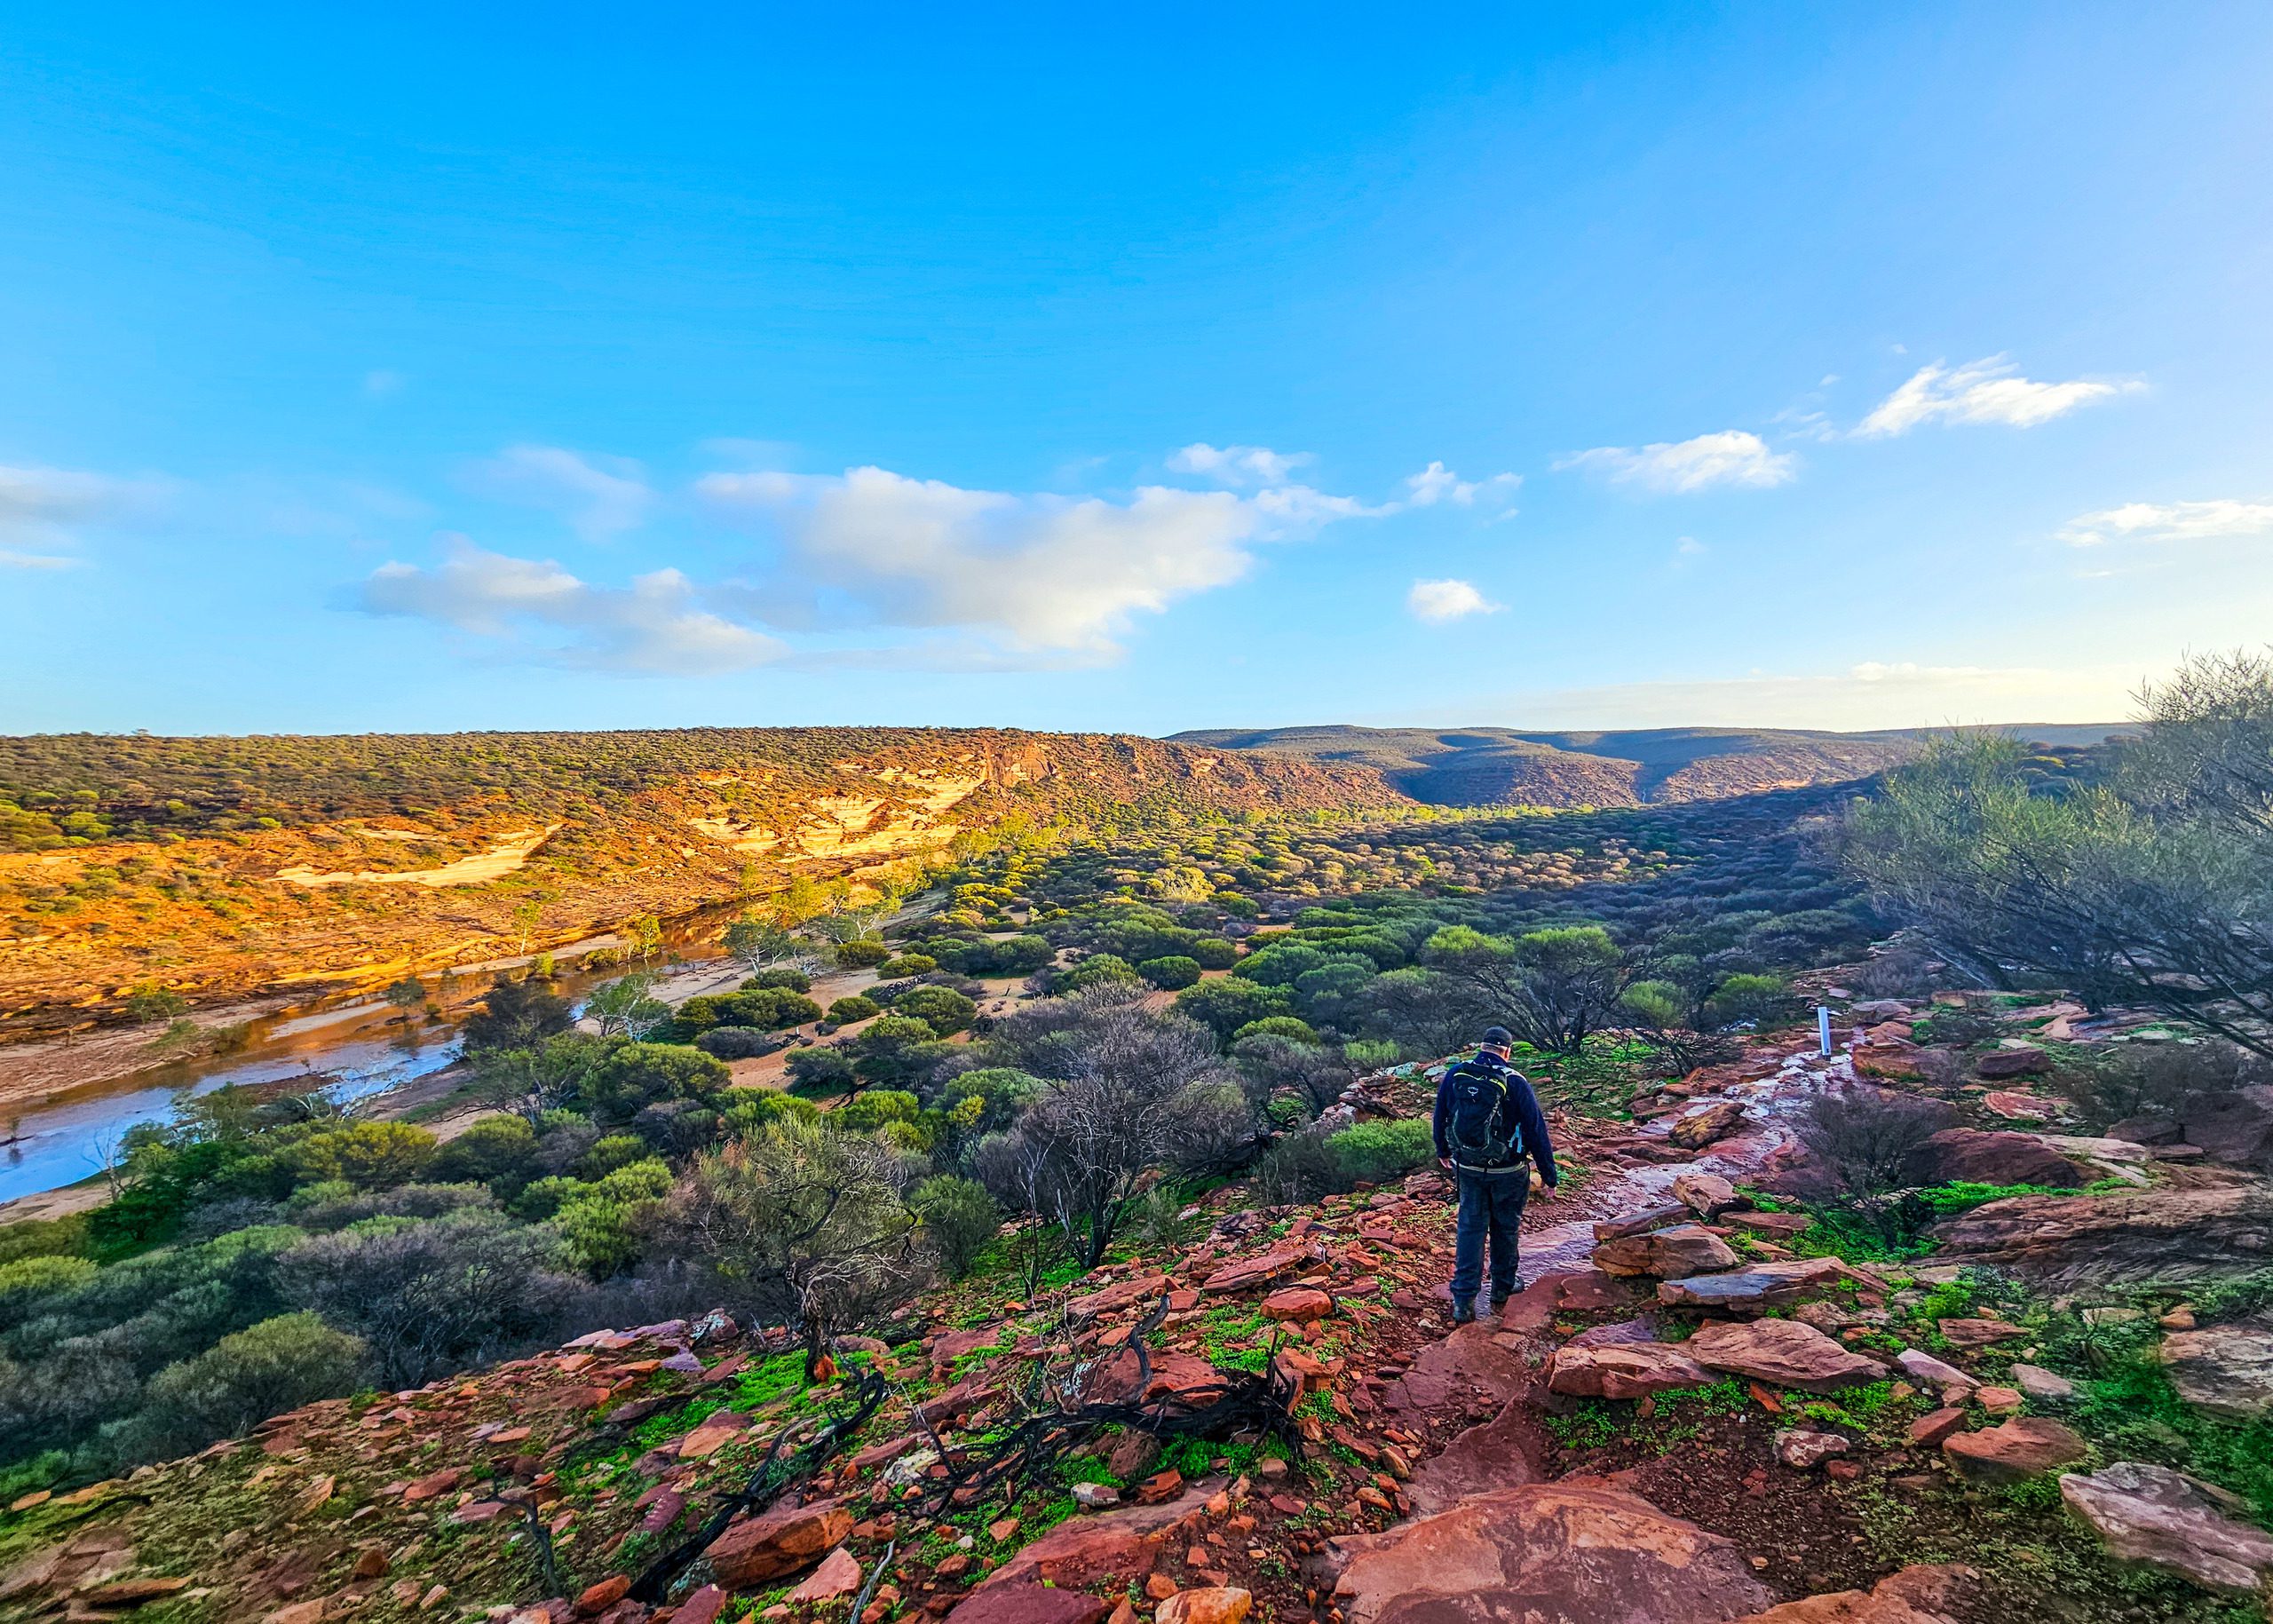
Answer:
(1121, 1546)
(779, 1540)
(1160, 1488)
(1802, 1447)
(1971, 1155)
(1783, 1351)
(1623, 1370)
(1126, 1294)
(1556, 1553)
(123, 1593)
(1683, 1249)
(949, 1346)
(1928, 1431)
(838, 1574)
(1249, 1271)
(702, 1608)
(2021, 1447)
(1026, 1603)
(372, 1562)
(1914, 1596)
(434, 1484)
(1999, 1064)
(1700, 1129)
(1223, 1604)
(1297, 1302)
(599, 1597)
(1976, 1332)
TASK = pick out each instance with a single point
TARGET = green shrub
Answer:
(499, 1150)
(43, 1238)
(1372, 1054)
(1228, 1003)
(1372, 1151)
(1094, 971)
(783, 977)
(861, 954)
(1173, 973)
(845, 1010)
(960, 1217)
(1285, 1026)
(265, 1369)
(820, 1072)
(368, 1155)
(942, 1009)
(1213, 952)
(1762, 1000)
(908, 964)
(638, 1076)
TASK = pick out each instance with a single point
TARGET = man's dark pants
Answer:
(1491, 1204)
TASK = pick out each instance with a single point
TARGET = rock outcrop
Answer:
(2163, 1234)
(2168, 1520)
(1781, 1352)
(2226, 1370)
(1972, 1155)
(1547, 1553)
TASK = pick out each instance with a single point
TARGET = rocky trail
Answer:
(1680, 1421)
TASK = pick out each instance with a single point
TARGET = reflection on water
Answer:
(62, 1144)
(348, 1047)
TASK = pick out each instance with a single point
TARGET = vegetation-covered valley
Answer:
(1052, 1230)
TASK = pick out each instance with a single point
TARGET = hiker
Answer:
(1489, 1132)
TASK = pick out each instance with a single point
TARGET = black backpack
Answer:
(1480, 1128)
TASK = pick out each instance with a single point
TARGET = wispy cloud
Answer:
(1238, 465)
(1987, 391)
(1733, 457)
(40, 510)
(1447, 600)
(2169, 521)
(1039, 574)
(535, 610)
(1437, 483)
(601, 497)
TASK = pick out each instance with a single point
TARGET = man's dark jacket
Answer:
(1521, 1103)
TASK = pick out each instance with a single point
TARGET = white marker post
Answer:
(1822, 1028)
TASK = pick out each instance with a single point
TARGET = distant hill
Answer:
(1482, 766)
(224, 865)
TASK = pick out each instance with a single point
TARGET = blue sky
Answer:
(1175, 366)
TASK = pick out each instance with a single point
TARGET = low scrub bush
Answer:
(1372, 1151)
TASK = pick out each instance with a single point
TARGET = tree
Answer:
(528, 914)
(633, 1076)
(408, 993)
(960, 1219)
(2147, 889)
(1136, 1090)
(431, 1298)
(942, 1009)
(1550, 987)
(625, 1008)
(805, 1226)
(516, 1015)
(755, 943)
(368, 1155)
(1173, 972)
(278, 1364)
(889, 1049)
(533, 1078)
(1225, 1005)
(150, 1003)
(821, 1071)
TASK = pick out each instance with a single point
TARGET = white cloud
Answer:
(2169, 521)
(1689, 546)
(600, 498)
(1987, 391)
(538, 611)
(1437, 483)
(1447, 600)
(40, 508)
(1035, 574)
(1733, 457)
(1238, 465)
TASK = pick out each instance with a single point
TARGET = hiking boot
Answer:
(1500, 1302)
(1463, 1313)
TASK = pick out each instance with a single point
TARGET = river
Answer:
(350, 1047)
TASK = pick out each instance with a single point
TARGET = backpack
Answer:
(1480, 1129)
